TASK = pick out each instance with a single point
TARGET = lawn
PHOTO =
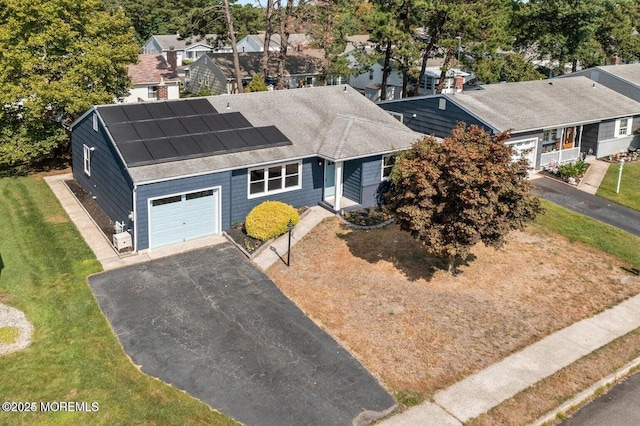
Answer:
(420, 329)
(74, 355)
(629, 194)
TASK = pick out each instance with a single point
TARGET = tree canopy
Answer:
(455, 193)
(58, 58)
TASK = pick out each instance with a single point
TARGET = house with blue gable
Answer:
(179, 170)
(550, 121)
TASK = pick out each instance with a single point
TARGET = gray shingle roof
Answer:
(326, 121)
(250, 63)
(628, 72)
(533, 105)
(167, 40)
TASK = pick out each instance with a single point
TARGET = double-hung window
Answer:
(388, 161)
(275, 178)
(87, 159)
(623, 128)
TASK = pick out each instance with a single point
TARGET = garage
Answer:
(184, 217)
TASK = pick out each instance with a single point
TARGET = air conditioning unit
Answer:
(122, 241)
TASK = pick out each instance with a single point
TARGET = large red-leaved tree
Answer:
(465, 189)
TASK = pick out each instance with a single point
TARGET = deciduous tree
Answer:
(455, 193)
(58, 58)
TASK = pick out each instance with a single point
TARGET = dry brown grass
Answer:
(418, 328)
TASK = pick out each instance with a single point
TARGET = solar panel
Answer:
(160, 149)
(194, 124)
(136, 112)
(112, 114)
(235, 120)
(168, 131)
(216, 122)
(231, 140)
(147, 129)
(273, 135)
(172, 127)
(159, 110)
(252, 137)
(123, 132)
(185, 146)
(134, 153)
(209, 143)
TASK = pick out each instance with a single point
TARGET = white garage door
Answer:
(526, 149)
(184, 217)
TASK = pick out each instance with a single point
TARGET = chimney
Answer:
(162, 93)
(615, 60)
(172, 59)
(458, 83)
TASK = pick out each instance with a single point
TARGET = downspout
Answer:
(135, 219)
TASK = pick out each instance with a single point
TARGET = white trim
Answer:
(86, 159)
(265, 169)
(382, 176)
(95, 121)
(150, 201)
(338, 185)
(616, 132)
(135, 218)
(534, 152)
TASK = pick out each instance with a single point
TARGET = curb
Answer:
(588, 393)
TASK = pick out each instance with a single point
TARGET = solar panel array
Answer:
(159, 132)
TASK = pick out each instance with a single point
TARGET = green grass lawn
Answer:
(629, 185)
(74, 355)
(577, 227)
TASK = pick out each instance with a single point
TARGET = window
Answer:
(87, 159)
(275, 179)
(550, 135)
(152, 92)
(442, 104)
(388, 162)
(95, 122)
(623, 128)
(206, 80)
(370, 74)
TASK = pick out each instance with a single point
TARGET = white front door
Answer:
(329, 179)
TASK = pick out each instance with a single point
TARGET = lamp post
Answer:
(290, 227)
(619, 175)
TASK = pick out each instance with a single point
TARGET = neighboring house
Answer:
(358, 41)
(550, 121)
(369, 82)
(255, 43)
(215, 73)
(180, 170)
(152, 80)
(623, 79)
(190, 48)
(454, 81)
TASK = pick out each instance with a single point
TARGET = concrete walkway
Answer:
(592, 179)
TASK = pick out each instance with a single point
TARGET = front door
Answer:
(329, 179)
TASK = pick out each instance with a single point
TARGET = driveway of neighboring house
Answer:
(210, 323)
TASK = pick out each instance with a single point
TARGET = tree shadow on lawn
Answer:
(398, 247)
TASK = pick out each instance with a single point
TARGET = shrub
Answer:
(573, 170)
(269, 220)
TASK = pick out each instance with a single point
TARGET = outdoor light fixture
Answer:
(290, 228)
(228, 106)
(320, 162)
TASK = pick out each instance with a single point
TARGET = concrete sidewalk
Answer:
(488, 388)
(593, 178)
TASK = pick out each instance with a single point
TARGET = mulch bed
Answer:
(103, 221)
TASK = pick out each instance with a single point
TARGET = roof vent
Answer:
(551, 83)
(345, 89)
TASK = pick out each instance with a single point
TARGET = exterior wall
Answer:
(611, 82)
(352, 178)
(177, 186)
(361, 81)
(371, 180)
(141, 93)
(608, 145)
(590, 139)
(194, 52)
(151, 47)
(204, 71)
(309, 195)
(248, 45)
(430, 119)
(109, 182)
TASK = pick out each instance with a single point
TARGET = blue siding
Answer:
(109, 181)
(177, 186)
(430, 119)
(352, 178)
(371, 180)
(309, 195)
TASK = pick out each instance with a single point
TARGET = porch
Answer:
(561, 145)
(559, 156)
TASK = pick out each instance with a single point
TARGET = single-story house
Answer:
(152, 80)
(189, 48)
(255, 42)
(550, 121)
(624, 79)
(215, 71)
(179, 170)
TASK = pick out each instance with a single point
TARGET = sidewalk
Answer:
(592, 179)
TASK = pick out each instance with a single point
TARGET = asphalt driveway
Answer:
(210, 323)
